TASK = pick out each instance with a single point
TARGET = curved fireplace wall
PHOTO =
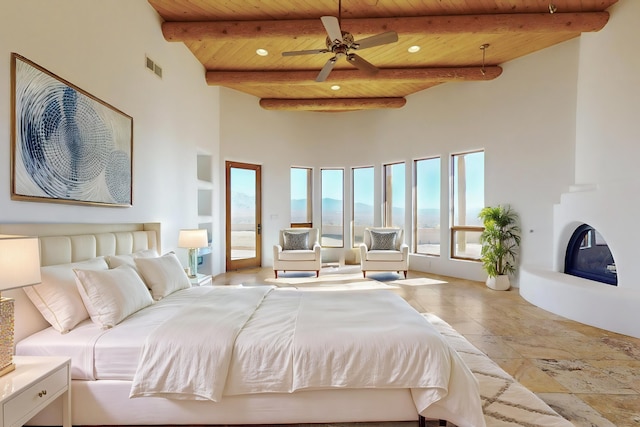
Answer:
(613, 308)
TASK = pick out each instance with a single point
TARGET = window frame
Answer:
(322, 208)
(353, 201)
(455, 228)
(309, 222)
(387, 211)
(415, 203)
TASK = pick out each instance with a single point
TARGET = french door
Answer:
(244, 216)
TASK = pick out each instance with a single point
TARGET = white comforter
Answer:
(262, 340)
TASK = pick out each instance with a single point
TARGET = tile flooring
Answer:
(588, 375)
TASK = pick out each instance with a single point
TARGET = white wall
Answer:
(525, 120)
(606, 178)
(100, 46)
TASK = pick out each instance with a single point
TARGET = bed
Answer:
(127, 371)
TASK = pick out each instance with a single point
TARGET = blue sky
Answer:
(428, 174)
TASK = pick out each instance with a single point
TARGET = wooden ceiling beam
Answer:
(331, 104)
(395, 75)
(431, 25)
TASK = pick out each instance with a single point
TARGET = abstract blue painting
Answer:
(68, 146)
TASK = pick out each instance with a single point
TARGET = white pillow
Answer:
(112, 295)
(118, 260)
(57, 297)
(163, 275)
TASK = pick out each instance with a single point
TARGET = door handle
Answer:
(259, 228)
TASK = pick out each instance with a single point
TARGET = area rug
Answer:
(505, 401)
(330, 279)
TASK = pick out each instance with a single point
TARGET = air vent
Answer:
(153, 66)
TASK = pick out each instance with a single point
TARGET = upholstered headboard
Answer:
(66, 243)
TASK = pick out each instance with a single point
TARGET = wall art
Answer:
(68, 146)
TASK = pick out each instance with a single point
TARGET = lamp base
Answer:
(6, 335)
(193, 263)
(7, 369)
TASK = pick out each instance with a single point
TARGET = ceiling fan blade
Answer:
(332, 26)
(361, 64)
(328, 66)
(377, 40)
(304, 52)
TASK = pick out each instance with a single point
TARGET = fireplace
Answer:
(588, 256)
(580, 220)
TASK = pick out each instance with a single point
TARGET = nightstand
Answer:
(201, 280)
(36, 382)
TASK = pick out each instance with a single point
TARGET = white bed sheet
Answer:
(78, 344)
(105, 354)
(113, 354)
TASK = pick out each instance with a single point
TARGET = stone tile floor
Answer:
(588, 375)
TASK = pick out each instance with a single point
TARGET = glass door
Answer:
(244, 222)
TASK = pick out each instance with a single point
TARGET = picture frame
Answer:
(68, 146)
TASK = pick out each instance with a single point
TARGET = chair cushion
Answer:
(383, 240)
(295, 241)
(296, 255)
(375, 255)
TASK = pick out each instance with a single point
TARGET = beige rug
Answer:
(505, 401)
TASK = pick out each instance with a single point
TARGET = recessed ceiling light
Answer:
(262, 52)
(335, 87)
(413, 49)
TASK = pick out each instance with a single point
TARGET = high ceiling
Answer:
(458, 40)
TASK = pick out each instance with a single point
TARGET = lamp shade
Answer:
(19, 261)
(196, 238)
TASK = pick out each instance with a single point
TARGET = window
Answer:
(467, 199)
(363, 202)
(301, 208)
(394, 195)
(332, 184)
(427, 206)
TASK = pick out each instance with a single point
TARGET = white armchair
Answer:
(298, 250)
(383, 249)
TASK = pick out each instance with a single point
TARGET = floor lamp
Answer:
(19, 266)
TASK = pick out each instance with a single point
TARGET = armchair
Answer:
(383, 249)
(298, 249)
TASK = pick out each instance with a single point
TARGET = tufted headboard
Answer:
(66, 243)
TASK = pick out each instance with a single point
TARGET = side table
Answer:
(35, 383)
(201, 280)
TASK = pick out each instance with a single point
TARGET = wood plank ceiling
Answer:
(224, 35)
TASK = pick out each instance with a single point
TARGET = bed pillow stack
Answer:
(163, 275)
(110, 296)
(57, 296)
(105, 289)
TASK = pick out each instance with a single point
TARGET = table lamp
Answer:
(19, 266)
(193, 240)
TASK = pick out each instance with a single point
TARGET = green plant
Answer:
(500, 240)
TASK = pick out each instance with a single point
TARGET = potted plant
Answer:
(500, 242)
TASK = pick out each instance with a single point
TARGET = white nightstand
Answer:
(201, 280)
(35, 383)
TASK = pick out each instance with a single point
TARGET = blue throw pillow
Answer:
(383, 240)
(295, 241)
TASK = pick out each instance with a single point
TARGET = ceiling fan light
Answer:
(413, 49)
(262, 52)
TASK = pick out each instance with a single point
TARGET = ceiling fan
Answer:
(340, 43)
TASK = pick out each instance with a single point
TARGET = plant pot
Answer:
(499, 283)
